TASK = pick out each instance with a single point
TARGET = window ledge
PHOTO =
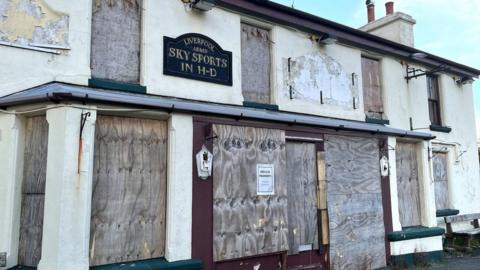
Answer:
(115, 85)
(440, 128)
(447, 212)
(414, 233)
(260, 105)
(376, 121)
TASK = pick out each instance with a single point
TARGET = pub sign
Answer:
(195, 56)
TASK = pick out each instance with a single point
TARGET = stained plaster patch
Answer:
(32, 21)
(314, 73)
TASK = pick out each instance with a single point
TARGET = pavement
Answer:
(457, 261)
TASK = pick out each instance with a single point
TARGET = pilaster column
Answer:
(68, 190)
(12, 137)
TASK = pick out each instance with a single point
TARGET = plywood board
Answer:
(439, 161)
(245, 224)
(129, 190)
(33, 191)
(408, 184)
(357, 232)
(255, 64)
(302, 197)
(372, 87)
(116, 40)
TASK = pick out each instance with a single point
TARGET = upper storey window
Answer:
(372, 88)
(434, 100)
(256, 63)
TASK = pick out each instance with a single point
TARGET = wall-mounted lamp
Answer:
(418, 55)
(327, 39)
(203, 5)
(465, 80)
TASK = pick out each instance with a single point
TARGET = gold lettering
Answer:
(171, 52)
(186, 67)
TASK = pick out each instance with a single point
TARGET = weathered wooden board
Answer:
(439, 160)
(255, 64)
(116, 40)
(408, 185)
(357, 232)
(129, 190)
(33, 191)
(302, 198)
(245, 224)
(372, 87)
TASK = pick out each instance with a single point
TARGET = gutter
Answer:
(309, 23)
(59, 92)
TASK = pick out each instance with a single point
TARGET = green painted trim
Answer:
(414, 233)
(440, 128)
(447, 212)
(153, 264)
(114, 85)
(416, 259)
(260, 105)
(376, 121)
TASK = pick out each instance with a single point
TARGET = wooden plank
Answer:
(372, 87)
(245, 224)
(439, 161)
(355, 211)
(322, 184)
(408, 185)
(255, 64)
(462, 218)
(33, 191)
(35, 156)
(302, 204)
(116, 40)
(325, 227)
(129, 190)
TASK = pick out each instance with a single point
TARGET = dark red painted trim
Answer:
(386, 199)
(202, 209)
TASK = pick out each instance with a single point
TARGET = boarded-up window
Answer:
(372, 88)
(408, 187)
(434, 100)
(129, 190)
(244, 223)
(255, 64)
(354, 196)
(302, 197)
(439, 160)
(116, 40)
(33, 191)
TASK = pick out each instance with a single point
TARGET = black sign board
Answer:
(197, 57)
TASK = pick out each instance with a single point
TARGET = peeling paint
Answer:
(319, 79)
(32, 21)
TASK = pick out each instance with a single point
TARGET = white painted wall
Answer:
(427, 244)
(12, 137)
(29, 68)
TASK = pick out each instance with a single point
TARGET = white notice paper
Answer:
(265, 179)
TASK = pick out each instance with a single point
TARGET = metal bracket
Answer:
(83, 121)
(413, 73)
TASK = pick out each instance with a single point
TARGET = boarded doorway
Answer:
(33, 191)
(302, 197)
(354, 196)
(129, 190)
(408, 187)
(247, 224)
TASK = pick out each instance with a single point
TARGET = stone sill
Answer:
(414, 233)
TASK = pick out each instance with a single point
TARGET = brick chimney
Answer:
(389, 7)
(396, 26)
(370, 10)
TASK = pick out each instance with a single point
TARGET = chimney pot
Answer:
(389, 7)
(370, 10)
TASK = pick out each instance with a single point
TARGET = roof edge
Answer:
(301, 20)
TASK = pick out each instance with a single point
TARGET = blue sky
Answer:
(450, 29)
